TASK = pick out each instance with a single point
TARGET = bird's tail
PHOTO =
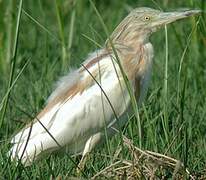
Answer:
(34, 140)
(29, 150)
(31, 143)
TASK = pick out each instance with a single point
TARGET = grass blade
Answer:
(61, 34)
(13, 63)
(13, 83)
(41, 26)
(126, 81)
(71, 34)
(165, 119)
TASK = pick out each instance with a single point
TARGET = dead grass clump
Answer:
(144, 165)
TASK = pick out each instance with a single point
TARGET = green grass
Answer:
(56, 35)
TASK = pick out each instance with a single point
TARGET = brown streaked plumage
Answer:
(78, 111)
(73, 90)
(95, 60)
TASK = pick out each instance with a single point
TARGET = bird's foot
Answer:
(81, 164)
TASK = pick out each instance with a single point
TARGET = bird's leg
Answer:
(90, 144)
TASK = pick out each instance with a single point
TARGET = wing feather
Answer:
(73, 113)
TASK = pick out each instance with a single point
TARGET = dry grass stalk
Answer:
(144, 164)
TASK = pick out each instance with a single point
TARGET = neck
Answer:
(131, 39)
(130, 48)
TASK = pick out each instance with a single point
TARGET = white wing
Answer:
(71, 118)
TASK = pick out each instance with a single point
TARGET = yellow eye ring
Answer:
(146, 18)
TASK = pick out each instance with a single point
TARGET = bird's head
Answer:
(142, 22)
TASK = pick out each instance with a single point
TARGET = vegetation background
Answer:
(56, 35)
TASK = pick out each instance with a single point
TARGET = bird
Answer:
(95, 96)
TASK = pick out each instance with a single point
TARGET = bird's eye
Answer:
(146, 18)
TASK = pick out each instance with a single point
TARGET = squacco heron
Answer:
(78, 111)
